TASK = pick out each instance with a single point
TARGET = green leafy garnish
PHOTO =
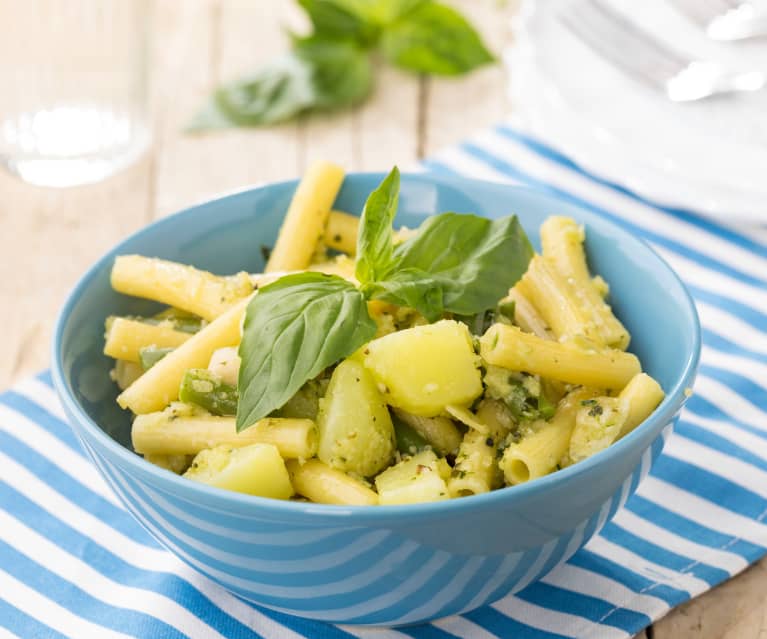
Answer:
(316, 75)
(470, 257)
(331, 67)
(374, 239)
(433, 38)
(343, 19)
(295, 328)
(303, 323)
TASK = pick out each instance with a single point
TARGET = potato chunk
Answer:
(257, 469)
(425, 368)
(414, 480)
(356, 431)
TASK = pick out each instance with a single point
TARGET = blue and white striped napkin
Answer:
(73, 562)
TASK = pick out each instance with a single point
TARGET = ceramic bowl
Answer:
(381, 565)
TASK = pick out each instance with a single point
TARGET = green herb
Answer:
(471, 258)
(206, 389)
(331, 67)
(343, 19)
(316, 75)
(434, 38)
(596, 410)
(374, 241)
(505, 311)
(295, 328)
(302, 323)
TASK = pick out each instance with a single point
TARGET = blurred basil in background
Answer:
(332, 68)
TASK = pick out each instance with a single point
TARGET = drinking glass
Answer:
(73, 88)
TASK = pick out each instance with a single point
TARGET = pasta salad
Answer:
(368, 365)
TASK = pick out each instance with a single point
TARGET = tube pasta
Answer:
(341, 232)
(642, 396)
(306, 218)
(538, 453)
(177, 431)
(476, 465)
(178, 285)
(126, 337)
(511, 348)
(325, 485)
(527, 317)
(562, 239)
(557, 302)
(156, 388)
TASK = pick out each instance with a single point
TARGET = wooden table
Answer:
(50, 236)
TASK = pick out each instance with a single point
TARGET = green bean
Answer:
(149, 355)
(207, 390)
(409, 441)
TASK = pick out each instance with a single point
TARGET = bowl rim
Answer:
(665, 413)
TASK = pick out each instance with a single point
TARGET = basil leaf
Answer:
(295, 328)
(374, 240)
(388, 11)
(475, 260)
(343, 19)
(433, 38)
(318, 74)
(341, 72)
(410, 287)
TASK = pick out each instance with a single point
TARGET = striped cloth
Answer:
(73, 563)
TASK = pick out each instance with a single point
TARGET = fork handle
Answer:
(705, 79)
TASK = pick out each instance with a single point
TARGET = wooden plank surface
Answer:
(197, 45)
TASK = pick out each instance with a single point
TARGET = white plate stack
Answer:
(708, 156)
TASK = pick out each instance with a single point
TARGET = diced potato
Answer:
(414, 480)
(356, 431)
(425, 368)
(257, 469)
(125, 373)
(598, 424)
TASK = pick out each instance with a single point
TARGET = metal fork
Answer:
(650, 61)
(726, 20)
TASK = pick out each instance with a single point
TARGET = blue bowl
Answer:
(386, 565)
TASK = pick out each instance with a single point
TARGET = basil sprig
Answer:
(331, 68)
(294, 329)
(302, 323)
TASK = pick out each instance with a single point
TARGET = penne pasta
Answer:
(562, 240)
(541, 451)
(341, 232)
(511, 348)
(178, 285)
(642, 396)
(306, 218)
(180, 431)
(126, 337)
(325, 485)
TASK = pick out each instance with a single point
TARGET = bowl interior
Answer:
(226, 236)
